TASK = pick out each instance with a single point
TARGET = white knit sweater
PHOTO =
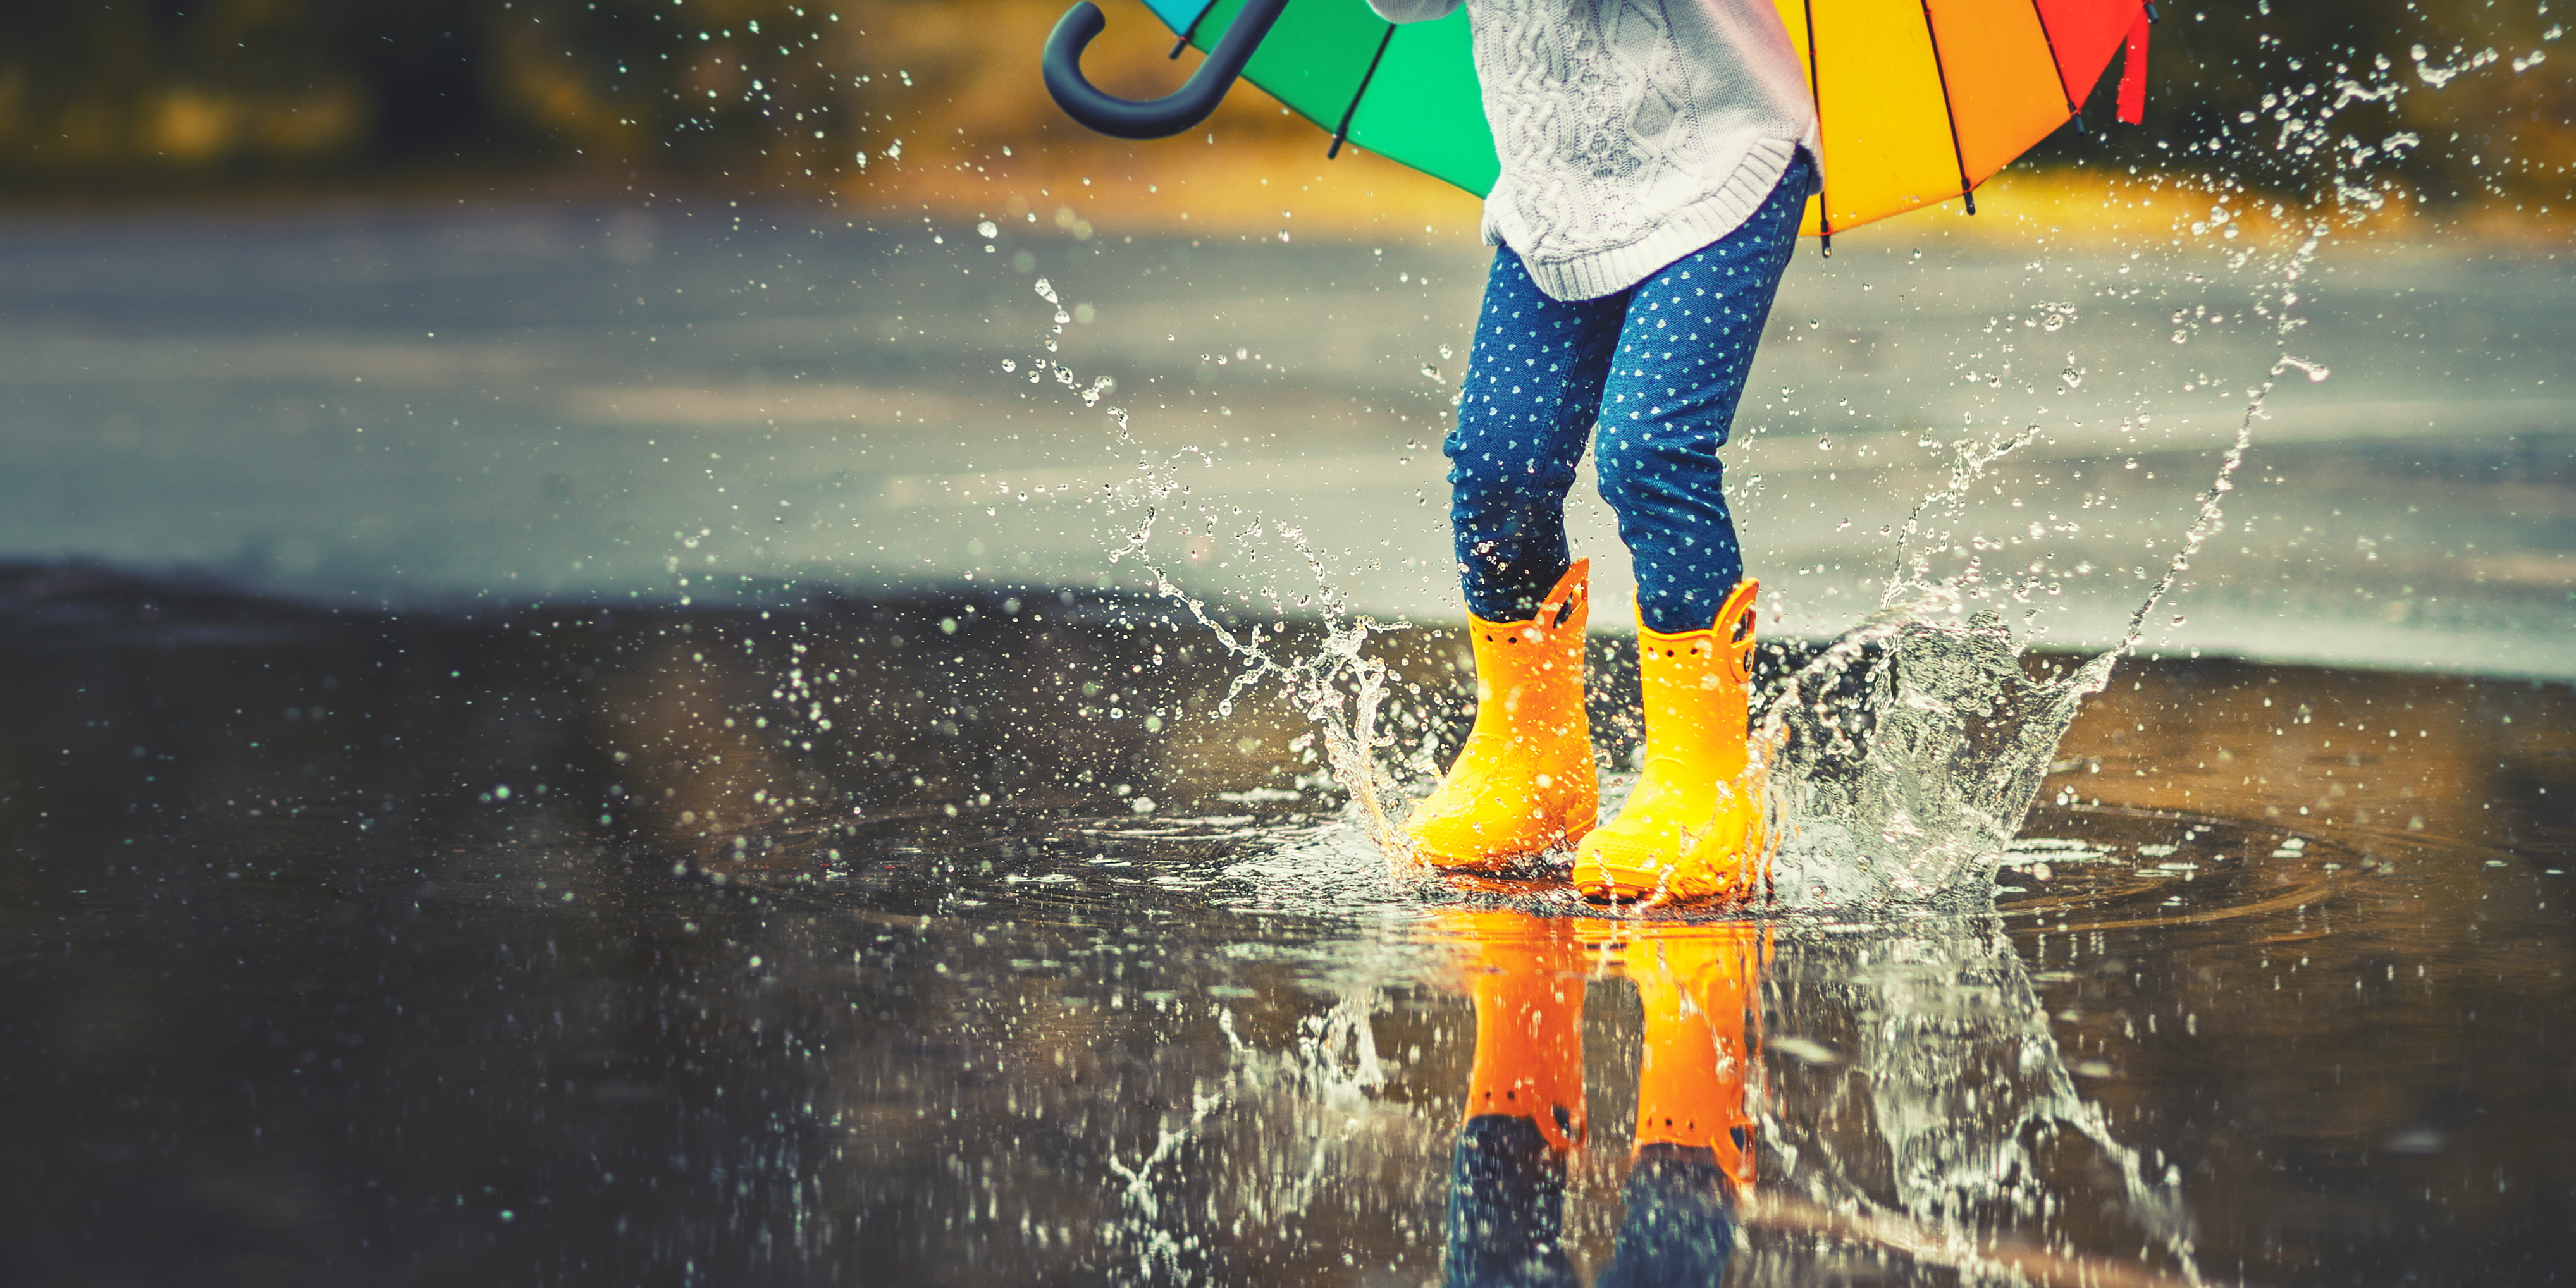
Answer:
(1632, 132)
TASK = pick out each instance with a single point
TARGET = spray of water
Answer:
(1266, 1143)
(1917, 805)
(1339, 688)
(1925, 1097)
(1898, 764)
(1145, 1234)
(1919, 810)
(1912, 805)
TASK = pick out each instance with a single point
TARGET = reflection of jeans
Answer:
(1507, 1210)
(1661, 367)
(1694, 1151)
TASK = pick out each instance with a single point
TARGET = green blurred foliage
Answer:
(121, 95)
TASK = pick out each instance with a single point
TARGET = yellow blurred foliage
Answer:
(982, 137)
(197, 128)
(192, 126)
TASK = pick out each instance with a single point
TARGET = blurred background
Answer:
(206, 99)
(403, 302)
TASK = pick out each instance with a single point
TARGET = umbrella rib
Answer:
(1949, 112)
(2049, 38)
(1201, 15)
(1824, 208)
(1343, 130)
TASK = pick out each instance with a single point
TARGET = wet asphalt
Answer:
(573, 945)
(416, 406)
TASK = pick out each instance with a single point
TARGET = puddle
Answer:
(868, 939)
(781, 936)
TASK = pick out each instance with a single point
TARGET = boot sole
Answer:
(1613, 885)
(1492, 864)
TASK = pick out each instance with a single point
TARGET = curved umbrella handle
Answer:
(1162, 117)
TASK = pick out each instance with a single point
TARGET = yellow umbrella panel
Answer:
(1922, 100)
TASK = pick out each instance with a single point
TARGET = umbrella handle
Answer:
(1158, 118)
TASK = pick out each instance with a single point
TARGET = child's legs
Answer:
(1685, 350)
(1533, 383)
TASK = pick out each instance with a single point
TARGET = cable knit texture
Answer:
(1632, 132)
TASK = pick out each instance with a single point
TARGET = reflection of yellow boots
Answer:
(1692, 828)
(1528, 986)
(1694, 1156)
(1524, 1103)
(1695, 986)
(1524, 783)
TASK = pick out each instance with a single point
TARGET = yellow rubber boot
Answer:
(1692, 828)
(1695, 986)
(1528, 985)
(1524, 783)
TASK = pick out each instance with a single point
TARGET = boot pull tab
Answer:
(1567, 602)
(1735, 620)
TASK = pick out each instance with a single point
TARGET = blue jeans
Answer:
(1658, 368)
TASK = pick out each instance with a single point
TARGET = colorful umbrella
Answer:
(1920, 100)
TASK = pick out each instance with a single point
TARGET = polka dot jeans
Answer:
(1655, 371)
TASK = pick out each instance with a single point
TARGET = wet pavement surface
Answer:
(499, 404)
(895, 938)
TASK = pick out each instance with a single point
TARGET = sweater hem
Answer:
(1684, 231)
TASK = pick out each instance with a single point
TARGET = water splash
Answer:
(1151, 1241)
(1335, 684)
(1276, 1129)
(1912, 1101)
(1900, 760)
(1918, 1101)
(1917, 806)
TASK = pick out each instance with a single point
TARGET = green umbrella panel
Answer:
(1404, 91)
